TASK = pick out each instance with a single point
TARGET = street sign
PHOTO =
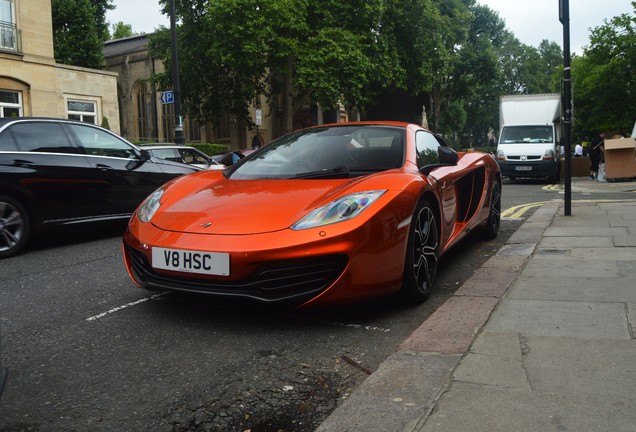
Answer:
(259, 117)
(167, 97)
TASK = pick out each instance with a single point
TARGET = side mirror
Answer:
(144, 156)
(446, 156)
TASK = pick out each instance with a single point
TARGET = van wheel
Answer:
(422, 255)
(15, 226)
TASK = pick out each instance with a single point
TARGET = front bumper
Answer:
(339, 263)
(534, 168)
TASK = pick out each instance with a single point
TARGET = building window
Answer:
(8, 30)
(10, 103)
(167, 121)
(85, 111)
(193, 129)
(222, 129)
(140, 95)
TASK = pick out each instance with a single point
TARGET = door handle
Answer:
(23, 163)
(102, 167)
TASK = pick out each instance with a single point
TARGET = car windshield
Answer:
(329, 152)
(526, 134)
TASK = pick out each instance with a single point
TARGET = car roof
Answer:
(5, 120)
(166, 146)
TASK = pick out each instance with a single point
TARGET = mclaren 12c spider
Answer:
(325, 215)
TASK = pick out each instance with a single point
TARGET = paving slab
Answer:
(597, 221)
(487, 282)
(591, 367)
(451, 328)
(516, 249)
(628, 240)
(572, 242)
(576, 289)
(529, 235)
(394, 397)
(540, 267)
(492, 370)
(560, 319)
(468, 407)
(569, 231)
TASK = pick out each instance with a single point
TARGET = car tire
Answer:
(422, 255)
(491, 230)
(15, 226)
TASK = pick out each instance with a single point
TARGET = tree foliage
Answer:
(78, 32)
(605, 78)
(456, 55)
(122, 30)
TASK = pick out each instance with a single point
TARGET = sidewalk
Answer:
(541, 338)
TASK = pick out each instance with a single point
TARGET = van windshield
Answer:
(526, 134)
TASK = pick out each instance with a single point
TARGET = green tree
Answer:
(76, 34)
(604, 78)
(482, 74)
(231, 51)
(121, 30)
(100, 8)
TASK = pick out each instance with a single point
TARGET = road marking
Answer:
(126, 306)
(552, 187)
(516, 212)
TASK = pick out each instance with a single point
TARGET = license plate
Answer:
(523, 168)
(189, 261)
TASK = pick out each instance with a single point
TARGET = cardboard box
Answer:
(620, 158)
(580, 166)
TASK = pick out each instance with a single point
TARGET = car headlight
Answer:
(149, 207)
(342, 209)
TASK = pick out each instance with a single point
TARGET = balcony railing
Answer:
(10, 39)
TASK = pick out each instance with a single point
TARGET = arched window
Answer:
(140, 106)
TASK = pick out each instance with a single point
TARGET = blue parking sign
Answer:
(167, 97)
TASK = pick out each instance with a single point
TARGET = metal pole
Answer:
(178, 128)
(564, 17)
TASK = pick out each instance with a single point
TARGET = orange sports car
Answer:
(324, 215)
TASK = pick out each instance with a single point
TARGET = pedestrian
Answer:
(578, 150)
(256, 142)
(596, 154)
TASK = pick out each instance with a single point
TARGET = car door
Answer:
(43, 167)
(427, 154)
(129, 178)
(194, 157)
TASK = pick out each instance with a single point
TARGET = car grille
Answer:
(289, 281)
(527, 158)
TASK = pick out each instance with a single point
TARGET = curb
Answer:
(401, 394)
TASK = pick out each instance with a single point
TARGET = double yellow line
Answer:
(517, 212)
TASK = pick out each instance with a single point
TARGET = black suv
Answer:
(61, 172)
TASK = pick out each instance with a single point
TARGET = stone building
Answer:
(142, 115)
(33, 84)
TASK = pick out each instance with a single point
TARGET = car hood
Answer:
(236, 207)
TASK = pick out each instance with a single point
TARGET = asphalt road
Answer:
(88, 351)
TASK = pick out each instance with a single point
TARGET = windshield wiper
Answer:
(325, 173)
